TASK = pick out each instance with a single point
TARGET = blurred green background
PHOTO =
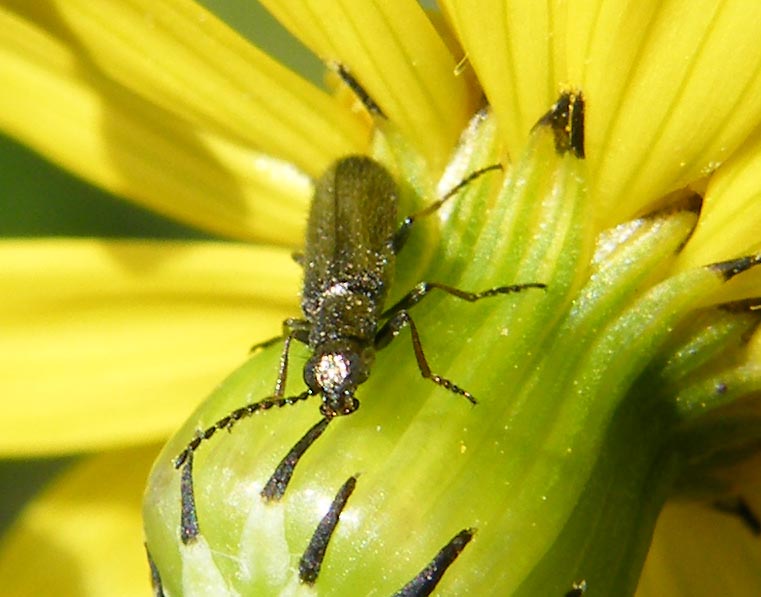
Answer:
(38, 199)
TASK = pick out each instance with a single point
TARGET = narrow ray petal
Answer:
(395, 52)
(730, 222)
(115, 342)
(124, 131)
(175, 54)
(82, 536)
(672, 88)
(508, 46)
(676, 96)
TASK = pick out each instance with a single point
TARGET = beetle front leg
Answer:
(292, 328)
(290, 325)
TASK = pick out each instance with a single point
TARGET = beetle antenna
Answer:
(400, 236)
(228, 421)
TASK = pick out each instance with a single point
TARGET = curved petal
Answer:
(507, 44)
(672, 88)
(394, 50)
(160, 103)
(700, 552)
(112, 343)
(689, 93)
(175, 54)
(82, 536)
(731, 216)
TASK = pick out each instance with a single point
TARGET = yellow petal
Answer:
(395, 52)
(112, 343)
(508, 45)
(179, 56)
(699, 552)
(160, 103)
(672, 98)
(730, 221)
(672, 88)
(82, 536)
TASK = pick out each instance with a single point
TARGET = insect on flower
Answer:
(351, 245)
(348, 264)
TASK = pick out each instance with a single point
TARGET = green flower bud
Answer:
(597, 399)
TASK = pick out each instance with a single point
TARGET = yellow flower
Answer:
(108, 344)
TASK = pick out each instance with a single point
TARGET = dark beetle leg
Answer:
(282, 370)
(422, 289)
(231, 419)
(265, 344)
(392, 328)
(290, 326)
(399, 317)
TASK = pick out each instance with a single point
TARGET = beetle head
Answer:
(335, 371)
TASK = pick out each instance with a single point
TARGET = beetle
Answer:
(350, 250)
(351, 246)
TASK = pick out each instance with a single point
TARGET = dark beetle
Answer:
(352, 241)
(348, 267)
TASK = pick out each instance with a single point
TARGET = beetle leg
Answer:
(421, 290)
(228, 421)
(289, 326)
(391, 329)
(292, 328)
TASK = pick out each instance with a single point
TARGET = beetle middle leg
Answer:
(399, 317)
(292, 328)
(391, 329)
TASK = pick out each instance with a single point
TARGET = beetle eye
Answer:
(309, 377)
(358, 369)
